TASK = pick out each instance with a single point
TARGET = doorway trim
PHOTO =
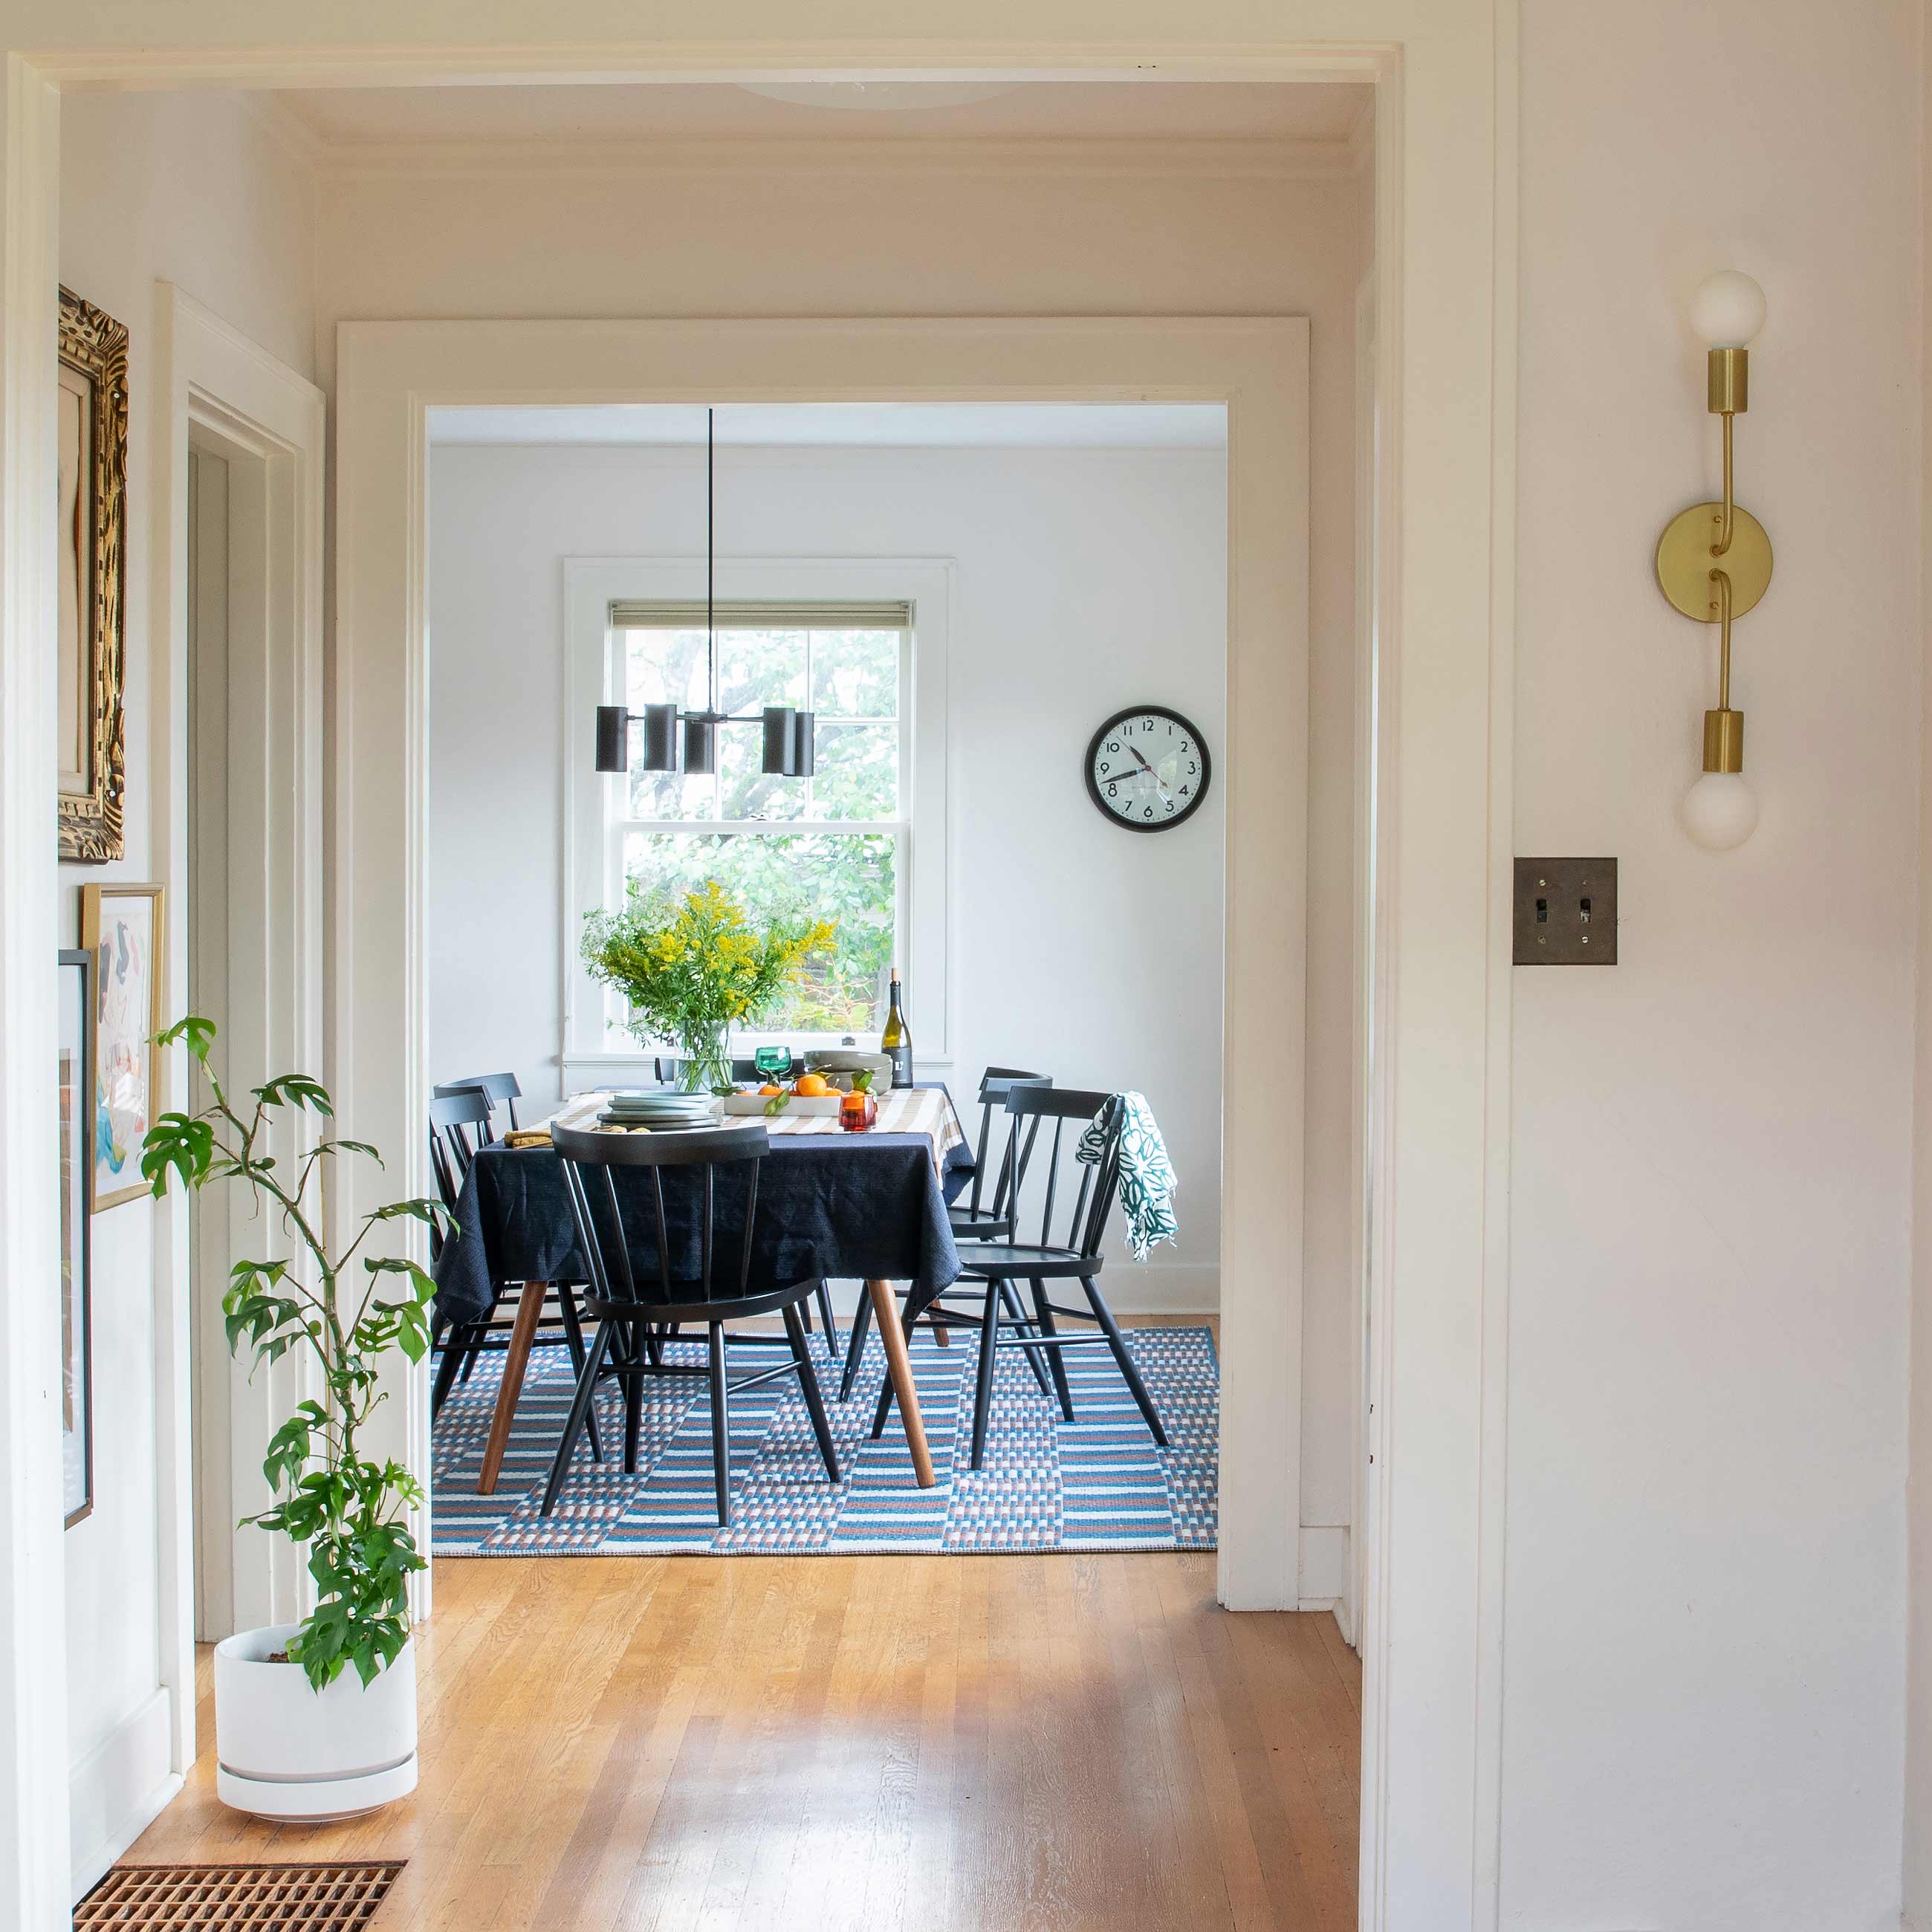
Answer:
(1446, 167)
(389, 375)
(213, 386)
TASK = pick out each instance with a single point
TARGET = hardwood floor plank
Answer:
(971, 1744)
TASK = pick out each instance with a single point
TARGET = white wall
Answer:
(506, 240)
(1085, 581)
(197, 191)
(1712, 1179)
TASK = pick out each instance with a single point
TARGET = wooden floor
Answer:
(780, 1743)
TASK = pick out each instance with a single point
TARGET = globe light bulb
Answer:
(1719, 811)
(1727, 310)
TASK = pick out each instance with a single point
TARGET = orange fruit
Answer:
(771, 1093)
(811, 1086)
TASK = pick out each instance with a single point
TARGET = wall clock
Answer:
(1148, 769)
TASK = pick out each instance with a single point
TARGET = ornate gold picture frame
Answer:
(93, 452)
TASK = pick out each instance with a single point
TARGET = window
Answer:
(832, 846)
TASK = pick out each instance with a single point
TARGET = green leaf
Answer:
(350, 1146)
(861, 1081)
(777, 1103)
(420, 1208)
(299, 1090)
(175, 1141)
(197, 1033)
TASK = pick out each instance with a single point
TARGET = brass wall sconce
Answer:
(1713, 562)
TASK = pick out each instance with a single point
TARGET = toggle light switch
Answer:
(1566, 912)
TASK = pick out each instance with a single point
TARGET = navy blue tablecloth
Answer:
(847, 1206)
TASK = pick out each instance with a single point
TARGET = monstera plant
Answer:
(346, 1309)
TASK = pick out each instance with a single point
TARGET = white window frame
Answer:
(595, 806)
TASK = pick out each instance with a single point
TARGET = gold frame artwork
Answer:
(92, 445)
(126, 1062)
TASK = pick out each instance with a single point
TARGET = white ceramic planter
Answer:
(286, 1752)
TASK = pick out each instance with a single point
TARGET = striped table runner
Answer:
(925, 1110)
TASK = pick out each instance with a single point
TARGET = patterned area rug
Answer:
(1097, 1483)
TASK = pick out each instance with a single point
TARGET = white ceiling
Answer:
(1089, 110)
(851, 425)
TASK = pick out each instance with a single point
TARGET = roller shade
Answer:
(738, 614)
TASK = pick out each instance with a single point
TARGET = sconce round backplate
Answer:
(1684, 562)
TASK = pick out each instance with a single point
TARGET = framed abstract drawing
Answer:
(125, 929)
(76, 1084)
(92, 449)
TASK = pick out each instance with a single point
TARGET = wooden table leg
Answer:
(529, 1313)
(898, 1366)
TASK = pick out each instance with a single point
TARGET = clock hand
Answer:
(1149, 770)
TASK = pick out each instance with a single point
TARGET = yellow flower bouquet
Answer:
(692, 967)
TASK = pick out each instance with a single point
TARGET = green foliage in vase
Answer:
(690, 964)
(348, 1512)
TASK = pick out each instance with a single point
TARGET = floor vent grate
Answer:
(237, 1898)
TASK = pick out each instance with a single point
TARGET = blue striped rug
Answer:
(1097, 1483)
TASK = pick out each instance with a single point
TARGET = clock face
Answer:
(1148, 769)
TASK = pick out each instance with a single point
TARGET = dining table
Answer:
(869, 1206)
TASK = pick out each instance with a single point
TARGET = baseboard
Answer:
(119, 1788)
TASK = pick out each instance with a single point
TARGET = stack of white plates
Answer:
(659, 1107)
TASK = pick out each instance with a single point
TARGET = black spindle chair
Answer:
(1000, 1265)
(459, 1129)
(980, 1217)
(500, 1089)
(638, 1308)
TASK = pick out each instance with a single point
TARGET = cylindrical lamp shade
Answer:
(700, 746)
(613, 730)
(804, 746)
(660, 737)
(781, 759)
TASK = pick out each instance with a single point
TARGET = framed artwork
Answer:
(76, 1086)
(92, 447)
(123, 929)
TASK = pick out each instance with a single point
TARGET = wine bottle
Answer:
(896, 1040)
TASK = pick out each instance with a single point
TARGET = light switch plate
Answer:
(1566, 912)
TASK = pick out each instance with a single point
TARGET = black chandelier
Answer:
(687, 741)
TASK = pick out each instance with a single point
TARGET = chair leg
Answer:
(634, 1413)
(1043, 1311)
(1017, 1318)
(855, 1348)
(473, 1336)
(982, 1393)
(720, 1427)
(1104, 1315)
(453, 1356)
(815, 1402)
(827, 1317)
(573, 1333)
(580, 1408)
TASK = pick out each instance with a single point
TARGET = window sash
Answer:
(664, 614)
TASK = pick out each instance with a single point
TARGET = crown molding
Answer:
(1065, 157)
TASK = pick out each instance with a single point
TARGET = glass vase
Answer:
(705, 1063)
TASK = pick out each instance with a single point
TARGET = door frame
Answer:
(390, 375)
(212, 384)
(1446, 166)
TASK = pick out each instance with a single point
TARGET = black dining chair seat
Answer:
(1004, 1262)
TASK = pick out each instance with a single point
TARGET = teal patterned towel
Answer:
(1147, 1174)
